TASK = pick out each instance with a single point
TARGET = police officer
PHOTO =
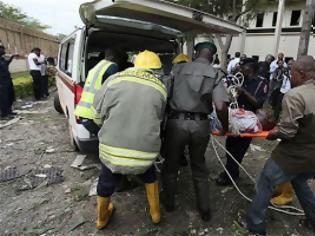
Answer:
(196, 85)
(6, 86)
(252, 96)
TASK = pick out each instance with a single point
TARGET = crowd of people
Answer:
(40, 69)
(140, 114)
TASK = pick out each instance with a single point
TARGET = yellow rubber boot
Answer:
(154, 201)
(105, 210)
(286, 195)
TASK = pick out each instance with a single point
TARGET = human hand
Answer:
(273, 134)
(240, 90)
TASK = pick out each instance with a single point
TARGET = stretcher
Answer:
(262, 134)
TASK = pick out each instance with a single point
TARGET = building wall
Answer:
(259, 41)
(20, 39)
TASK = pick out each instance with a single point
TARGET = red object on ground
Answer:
(262, 134)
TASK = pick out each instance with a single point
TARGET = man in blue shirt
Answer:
(252, 96)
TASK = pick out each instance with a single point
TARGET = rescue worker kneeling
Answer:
(130, 108)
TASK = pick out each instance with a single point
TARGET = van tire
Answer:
(57, 104)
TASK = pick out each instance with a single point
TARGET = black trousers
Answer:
(178, 134)
(237, 146)
(107, 180)
(5, 105)
(276, 102)
(90, 125)
(45, 85)
(37, 84)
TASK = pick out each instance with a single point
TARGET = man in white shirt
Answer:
(232, 64)
(35, 71)
(274, 64)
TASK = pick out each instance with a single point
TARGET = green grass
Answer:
(23, 84)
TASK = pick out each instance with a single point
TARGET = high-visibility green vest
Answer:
(92, 84)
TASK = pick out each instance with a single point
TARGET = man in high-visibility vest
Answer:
(96, 77)
(130, 108)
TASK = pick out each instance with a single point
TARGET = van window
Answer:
(62, 57)
(66, 57)
(70, 57)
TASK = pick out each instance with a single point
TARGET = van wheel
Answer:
(57, 104)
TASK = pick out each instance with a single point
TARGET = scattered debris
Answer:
(93, 187)
(50, 150)
(77, 221)
(254, 148)
(227, 189)
(27, 106)
(10, 122)
(45, 176)
(220, 230)
(9, 173)
(78, 163)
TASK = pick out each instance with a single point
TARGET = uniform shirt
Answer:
(196, 85)
(31, 63)
(264, 70)
(257, 88)
(112, 69)
(4, 70)
(296, 152)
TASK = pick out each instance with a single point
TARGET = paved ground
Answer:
(34, 204)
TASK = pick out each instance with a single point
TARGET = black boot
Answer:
(202, 197)
(169, 183)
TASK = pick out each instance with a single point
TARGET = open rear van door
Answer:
(171, 18)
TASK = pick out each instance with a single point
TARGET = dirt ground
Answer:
(35, 204)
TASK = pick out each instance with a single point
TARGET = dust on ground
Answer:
(51, 198)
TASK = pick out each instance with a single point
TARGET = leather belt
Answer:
(187, 115)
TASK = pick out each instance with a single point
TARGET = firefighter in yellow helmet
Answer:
(129, 108)
(181, 58)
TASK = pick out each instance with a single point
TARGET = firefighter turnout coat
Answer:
(129, 108)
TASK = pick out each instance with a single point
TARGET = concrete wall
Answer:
(20, 39)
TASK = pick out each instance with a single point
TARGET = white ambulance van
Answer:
(132, 26)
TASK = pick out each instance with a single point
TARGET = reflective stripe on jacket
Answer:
(130, 107)
(92, 84)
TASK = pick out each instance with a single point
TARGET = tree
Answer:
(15, 14)
(232, 10)
(306, 28)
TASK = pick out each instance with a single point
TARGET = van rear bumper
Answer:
(87, 146)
